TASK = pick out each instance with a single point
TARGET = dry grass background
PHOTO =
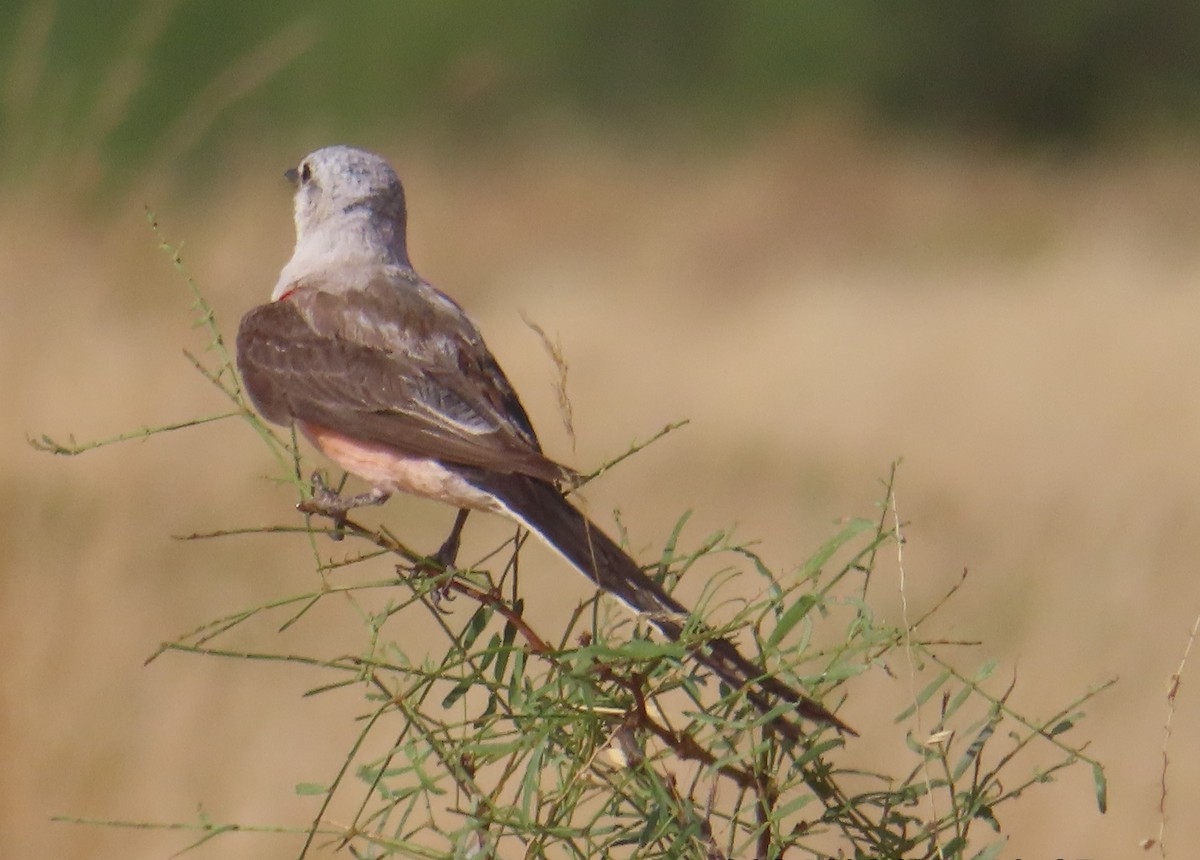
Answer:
(1023, 332)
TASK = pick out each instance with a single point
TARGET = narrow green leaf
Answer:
(801, 800)
(843, 670)
(923, 696)
(913, 744)
(306, 789)
(532, 781)
(1060, 727)
(516, 691)
(475, 626)
(985, 671)
(991, 852)
(460, 690)
(1101, 786)
(668, 553)
(957, 701)
(645, 649)
(975, 748)
(493, 705)
(821, 557)
(954, 848)
(490, 653)
(791, 617)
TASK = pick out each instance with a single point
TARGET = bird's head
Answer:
(339, 182)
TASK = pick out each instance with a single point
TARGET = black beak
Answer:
(293, 176)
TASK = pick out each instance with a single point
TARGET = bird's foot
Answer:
(442, 564)
(328, 503)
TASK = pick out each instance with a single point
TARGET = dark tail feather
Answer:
(542, 509)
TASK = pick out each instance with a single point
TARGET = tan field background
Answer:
(1024, 332)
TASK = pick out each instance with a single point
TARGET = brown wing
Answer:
(394, 363)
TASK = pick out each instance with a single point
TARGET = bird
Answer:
(390, 379)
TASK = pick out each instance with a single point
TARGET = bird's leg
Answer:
(327, 503)
(442, 562)
(447, 553)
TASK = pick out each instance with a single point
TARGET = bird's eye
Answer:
(305, 173)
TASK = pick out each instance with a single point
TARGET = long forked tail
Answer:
(540, 507)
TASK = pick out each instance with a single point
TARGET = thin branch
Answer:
(73, 448)
(1172, 694)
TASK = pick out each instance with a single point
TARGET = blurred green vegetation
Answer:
(133, 83)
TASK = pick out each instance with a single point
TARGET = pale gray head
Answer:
(349, 209)
(340, 180)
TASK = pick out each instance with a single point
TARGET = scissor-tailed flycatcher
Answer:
(391, 380)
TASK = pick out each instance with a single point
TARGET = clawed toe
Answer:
(433, 568)
(328, 503)
(443, 563)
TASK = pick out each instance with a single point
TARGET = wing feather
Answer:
(394, 364)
